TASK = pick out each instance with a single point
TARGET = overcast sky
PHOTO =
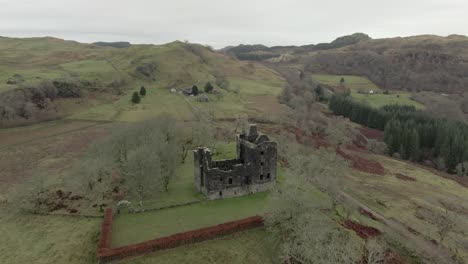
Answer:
(230, 22)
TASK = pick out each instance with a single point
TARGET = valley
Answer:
(56, 143)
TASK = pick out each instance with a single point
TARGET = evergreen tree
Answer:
(208, 87)
(415, 145)
(410, 132)
(392, 136)
(142, 91)
(136, 98)
(195, 90)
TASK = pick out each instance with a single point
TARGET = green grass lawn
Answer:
(252, 246)
(134, 228)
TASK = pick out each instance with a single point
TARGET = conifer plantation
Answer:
(411, 134)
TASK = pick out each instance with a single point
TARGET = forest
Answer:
(412, 134)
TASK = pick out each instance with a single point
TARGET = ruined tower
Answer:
(253, 169)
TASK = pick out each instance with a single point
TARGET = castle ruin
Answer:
(253, 170)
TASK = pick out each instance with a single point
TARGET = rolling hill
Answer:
(419, 63)
(49, 78)
(88, 87)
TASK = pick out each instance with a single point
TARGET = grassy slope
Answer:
(24, 231)
(179, 66)
(40, 58)
(358, 83)
(400, 200)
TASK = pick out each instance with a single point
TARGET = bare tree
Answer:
(374, 252)
(295, 216)
(143, 177)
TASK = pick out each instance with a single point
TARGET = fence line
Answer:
(106, 253)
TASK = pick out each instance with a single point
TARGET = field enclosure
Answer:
(361, 88)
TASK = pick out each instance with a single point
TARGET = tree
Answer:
(142, 91)
(140, 158)
(143, 177)
(392, 136)
(136, 98)
(208, 87)
(295, 216)
(462, 169)
(415, 145)
(301, 74)
(374, 252)
(195, 90)
(319, 94)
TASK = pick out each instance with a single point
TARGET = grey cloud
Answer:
(221, 22)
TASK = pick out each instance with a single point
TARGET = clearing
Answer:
(360, 88)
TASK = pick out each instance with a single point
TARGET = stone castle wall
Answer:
(253, 170)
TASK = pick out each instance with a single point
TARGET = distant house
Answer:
(187, 92)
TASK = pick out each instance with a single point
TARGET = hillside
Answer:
(88, 88)
(419, 63)
(49, 78)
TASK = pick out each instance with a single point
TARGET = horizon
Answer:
(217, 48)
(225, 23)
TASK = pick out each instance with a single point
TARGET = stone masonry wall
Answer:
(254, 166)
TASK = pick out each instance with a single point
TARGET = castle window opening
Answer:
(255, 155)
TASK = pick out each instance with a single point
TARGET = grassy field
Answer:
(355, 83)
(379, 100)
(160, 100)
(47, 239)
(360, 87)
(253, 246)
(133, 228)
(403, 200)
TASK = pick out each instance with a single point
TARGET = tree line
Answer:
(411, 134)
